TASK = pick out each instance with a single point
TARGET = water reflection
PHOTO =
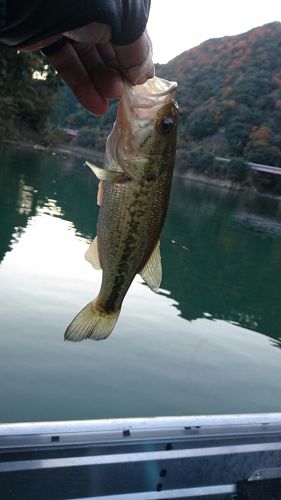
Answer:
(34, 183)
(230, 270)
(220, 273)
(220, 249)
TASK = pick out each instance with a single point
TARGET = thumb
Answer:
(135, 59)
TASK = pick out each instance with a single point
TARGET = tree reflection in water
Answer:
(220, 248)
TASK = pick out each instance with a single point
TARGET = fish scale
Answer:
(127, 255)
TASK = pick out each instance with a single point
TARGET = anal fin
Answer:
(92, 254)
(152, 271)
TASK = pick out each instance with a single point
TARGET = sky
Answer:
(178, 25)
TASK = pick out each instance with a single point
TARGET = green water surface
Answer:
(208, 342)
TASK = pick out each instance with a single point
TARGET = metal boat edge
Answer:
(119, 424)
(213, 456)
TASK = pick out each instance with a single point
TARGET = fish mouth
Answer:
(141, 103)
(153, 88)
(136, 112)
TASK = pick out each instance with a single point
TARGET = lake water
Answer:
(208, 342)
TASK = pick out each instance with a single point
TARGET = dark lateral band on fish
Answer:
(136, 182)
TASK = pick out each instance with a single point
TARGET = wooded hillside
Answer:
(28, 94)
(230, 95)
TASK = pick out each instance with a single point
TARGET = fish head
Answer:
(143, 140)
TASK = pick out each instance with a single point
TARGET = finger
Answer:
(92, 33)
(135, 59)
(68, 64)
(108, 56)
(43, 43)
(107, 81)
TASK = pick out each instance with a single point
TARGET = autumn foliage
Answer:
(230, 95)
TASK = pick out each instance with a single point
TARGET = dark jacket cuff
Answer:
(24, 22)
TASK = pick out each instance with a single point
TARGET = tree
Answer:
(28, 89)
(237, 135)
(238, 170)
(268, 155)
(198, 160)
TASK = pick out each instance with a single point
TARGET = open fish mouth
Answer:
(153, 88)
(135, 119)
(141, 101)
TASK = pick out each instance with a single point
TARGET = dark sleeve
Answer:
(23, 22)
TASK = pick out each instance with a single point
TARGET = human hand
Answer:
(93, 67)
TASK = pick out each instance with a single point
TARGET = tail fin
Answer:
(91, 323)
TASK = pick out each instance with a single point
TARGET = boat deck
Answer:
(224, 457)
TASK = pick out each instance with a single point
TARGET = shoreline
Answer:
(222, 183)
(225, 184)
(77, 151)
(84, 153)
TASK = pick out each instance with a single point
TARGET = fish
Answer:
(135, 184)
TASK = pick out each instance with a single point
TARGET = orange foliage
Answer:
(230, 103)
(261, 134)
(232, 82)
(277, 79)
(227, 90)
(228, 79)
(218, 117)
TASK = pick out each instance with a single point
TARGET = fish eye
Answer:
(166, 125)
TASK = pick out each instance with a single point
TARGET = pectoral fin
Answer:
(92, 254)
(152, 271)
(107, 175)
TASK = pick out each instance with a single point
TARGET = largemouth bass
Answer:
(135, 181)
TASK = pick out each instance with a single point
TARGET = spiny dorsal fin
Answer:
(107, 175)
(152, 271)
(92, 254)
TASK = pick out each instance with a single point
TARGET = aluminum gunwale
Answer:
(145, 424)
